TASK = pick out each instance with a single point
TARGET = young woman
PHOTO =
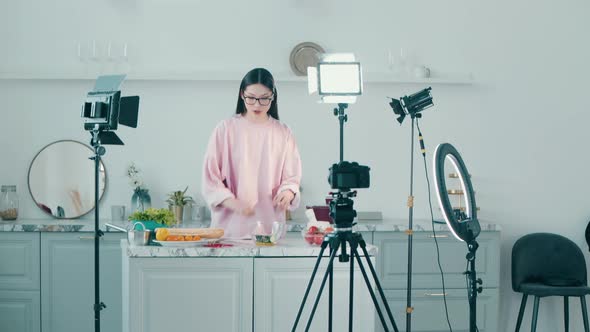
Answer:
(252, 168)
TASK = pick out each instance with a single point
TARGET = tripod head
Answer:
(341, 209)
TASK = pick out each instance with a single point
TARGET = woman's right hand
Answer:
(238, 206)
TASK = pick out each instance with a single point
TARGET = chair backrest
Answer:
(549, 259)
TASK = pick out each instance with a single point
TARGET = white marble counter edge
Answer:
(84, 225)
(285, 248)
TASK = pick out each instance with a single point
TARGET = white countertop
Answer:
(290, 247)
(87, 225)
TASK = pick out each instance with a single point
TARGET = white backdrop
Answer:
(521, 127)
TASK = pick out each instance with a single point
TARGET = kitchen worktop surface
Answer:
(87, 225)
(289, 247)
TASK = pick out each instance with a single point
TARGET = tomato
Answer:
(312, 230)
(318, 239)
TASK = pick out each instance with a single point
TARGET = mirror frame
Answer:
(92, 152)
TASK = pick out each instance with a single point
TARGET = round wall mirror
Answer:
(61, 179)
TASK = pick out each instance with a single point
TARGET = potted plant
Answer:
(176, 201)
(153, 218)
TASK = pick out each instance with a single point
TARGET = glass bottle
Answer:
(8, 202)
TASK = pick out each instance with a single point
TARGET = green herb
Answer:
(162, 216)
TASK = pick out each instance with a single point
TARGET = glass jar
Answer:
(8, 203)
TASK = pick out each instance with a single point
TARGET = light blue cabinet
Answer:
(429, 312)
(19, 282)
(67, 285)
(427, 294)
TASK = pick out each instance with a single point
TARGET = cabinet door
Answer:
(279, 287)
(429, 311)
(19, 311)
(67, 285)
(188, 294)
(392, 261)
(19, 261)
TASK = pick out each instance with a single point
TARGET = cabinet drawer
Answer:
(19, 261)
(429, 311)
(392, 260)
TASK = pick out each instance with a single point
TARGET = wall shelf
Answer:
(369, 78)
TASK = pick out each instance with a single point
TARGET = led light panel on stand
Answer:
(336, 79)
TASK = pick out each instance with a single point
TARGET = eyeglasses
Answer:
(262, 101)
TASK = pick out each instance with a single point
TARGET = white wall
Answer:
(521, 128)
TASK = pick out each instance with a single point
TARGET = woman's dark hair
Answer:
(258, 76)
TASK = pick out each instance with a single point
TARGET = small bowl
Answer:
(263, 240)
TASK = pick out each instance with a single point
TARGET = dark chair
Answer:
(545, 264)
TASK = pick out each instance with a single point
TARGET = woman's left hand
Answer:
(283, 199)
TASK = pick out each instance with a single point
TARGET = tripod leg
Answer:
(317, 299)
(330, 296)
(351, 291)
(378, 285)
(315, 270)
(373, 297)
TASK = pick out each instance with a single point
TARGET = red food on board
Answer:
(313, 230)
(318, 239)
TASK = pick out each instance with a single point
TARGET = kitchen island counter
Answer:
(237, 288)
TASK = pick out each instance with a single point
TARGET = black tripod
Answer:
(343, 214)
(98, 152)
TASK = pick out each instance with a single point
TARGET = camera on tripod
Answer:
(347, 175)
(338, 80)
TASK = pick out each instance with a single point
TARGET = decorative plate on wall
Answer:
(303, 55)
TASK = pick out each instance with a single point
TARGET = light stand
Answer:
(410, 232)
(411, 105)
(103, 110)
(466, 228)
(98, 233)
(343, 214)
